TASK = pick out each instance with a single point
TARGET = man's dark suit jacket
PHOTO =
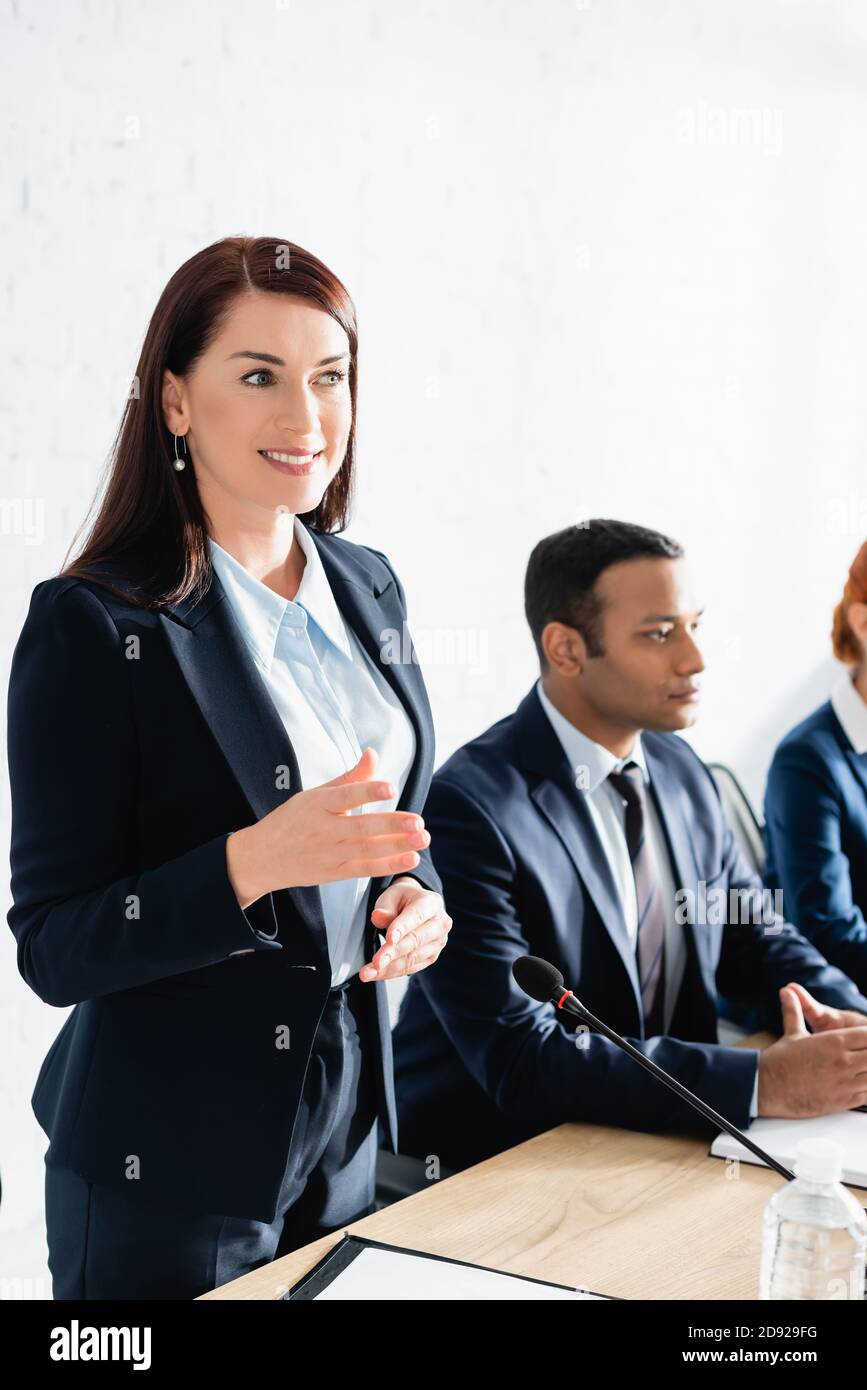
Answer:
(137, 742)
(816, 838)
(478, 1065)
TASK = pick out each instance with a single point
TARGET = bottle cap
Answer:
(819, 1160)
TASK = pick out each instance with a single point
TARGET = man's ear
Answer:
(565, 649)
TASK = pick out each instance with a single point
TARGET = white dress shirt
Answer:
(333, 700)
(851, 710)
(592, 764)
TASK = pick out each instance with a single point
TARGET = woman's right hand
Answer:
(314, 837)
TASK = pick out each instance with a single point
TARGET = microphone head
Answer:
(536, 977)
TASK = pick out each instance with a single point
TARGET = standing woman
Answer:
(212, 1100)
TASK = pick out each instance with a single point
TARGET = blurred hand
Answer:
(821, 1017)
(818, 1073)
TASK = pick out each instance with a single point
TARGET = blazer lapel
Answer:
(373, 610)
(857, 761)
(675, 815)
(234, 700)
(565, 808)
(858, 764)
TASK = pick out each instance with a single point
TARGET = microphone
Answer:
(544, 982)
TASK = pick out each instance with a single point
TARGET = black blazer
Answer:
(137, 742)
(816, 837)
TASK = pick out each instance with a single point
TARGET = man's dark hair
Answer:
(562, 571)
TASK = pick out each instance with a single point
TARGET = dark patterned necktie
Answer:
(650, 937)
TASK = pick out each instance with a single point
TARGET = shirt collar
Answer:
(590, 762)
(851, 711)
(263, 611)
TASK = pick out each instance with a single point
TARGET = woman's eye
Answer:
(337, 376)
(659, 634)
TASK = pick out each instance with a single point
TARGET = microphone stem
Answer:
(675, 1086)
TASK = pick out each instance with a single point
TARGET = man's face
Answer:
(646, 677)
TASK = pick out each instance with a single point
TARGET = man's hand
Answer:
(416, 925)
(817, 1073)
(821, 1017)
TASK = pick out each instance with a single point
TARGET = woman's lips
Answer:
(295, 470)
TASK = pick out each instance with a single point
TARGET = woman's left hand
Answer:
(416, 925)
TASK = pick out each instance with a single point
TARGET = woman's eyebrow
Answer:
(278, 361)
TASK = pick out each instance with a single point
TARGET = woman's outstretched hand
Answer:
(417, 928)
(314, 837)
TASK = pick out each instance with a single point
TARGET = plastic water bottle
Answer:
(815, 1231)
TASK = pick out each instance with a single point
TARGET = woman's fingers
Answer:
(378, 823)
(352, 794)
(316, 838)
(427, 907)
(376, 868)
(384, 846)
(409, 964)
(415, 940)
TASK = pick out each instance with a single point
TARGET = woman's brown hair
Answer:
(847, 648)
(151, 518)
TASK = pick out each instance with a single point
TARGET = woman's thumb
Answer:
(793, 1014)
(364, 769)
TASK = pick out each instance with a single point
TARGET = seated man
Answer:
(581, 829)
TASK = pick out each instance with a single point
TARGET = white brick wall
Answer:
(608, 258)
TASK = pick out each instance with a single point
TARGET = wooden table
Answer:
(612, 1210)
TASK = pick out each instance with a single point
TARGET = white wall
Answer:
(608, 258)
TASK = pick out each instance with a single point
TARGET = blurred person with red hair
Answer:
(816, 801)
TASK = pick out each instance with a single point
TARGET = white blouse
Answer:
(334, 701)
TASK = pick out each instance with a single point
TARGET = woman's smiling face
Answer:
(274, 380)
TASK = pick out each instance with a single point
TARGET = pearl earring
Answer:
(179, 463)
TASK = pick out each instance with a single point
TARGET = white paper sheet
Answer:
(389, 1274)
(780, 1138)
